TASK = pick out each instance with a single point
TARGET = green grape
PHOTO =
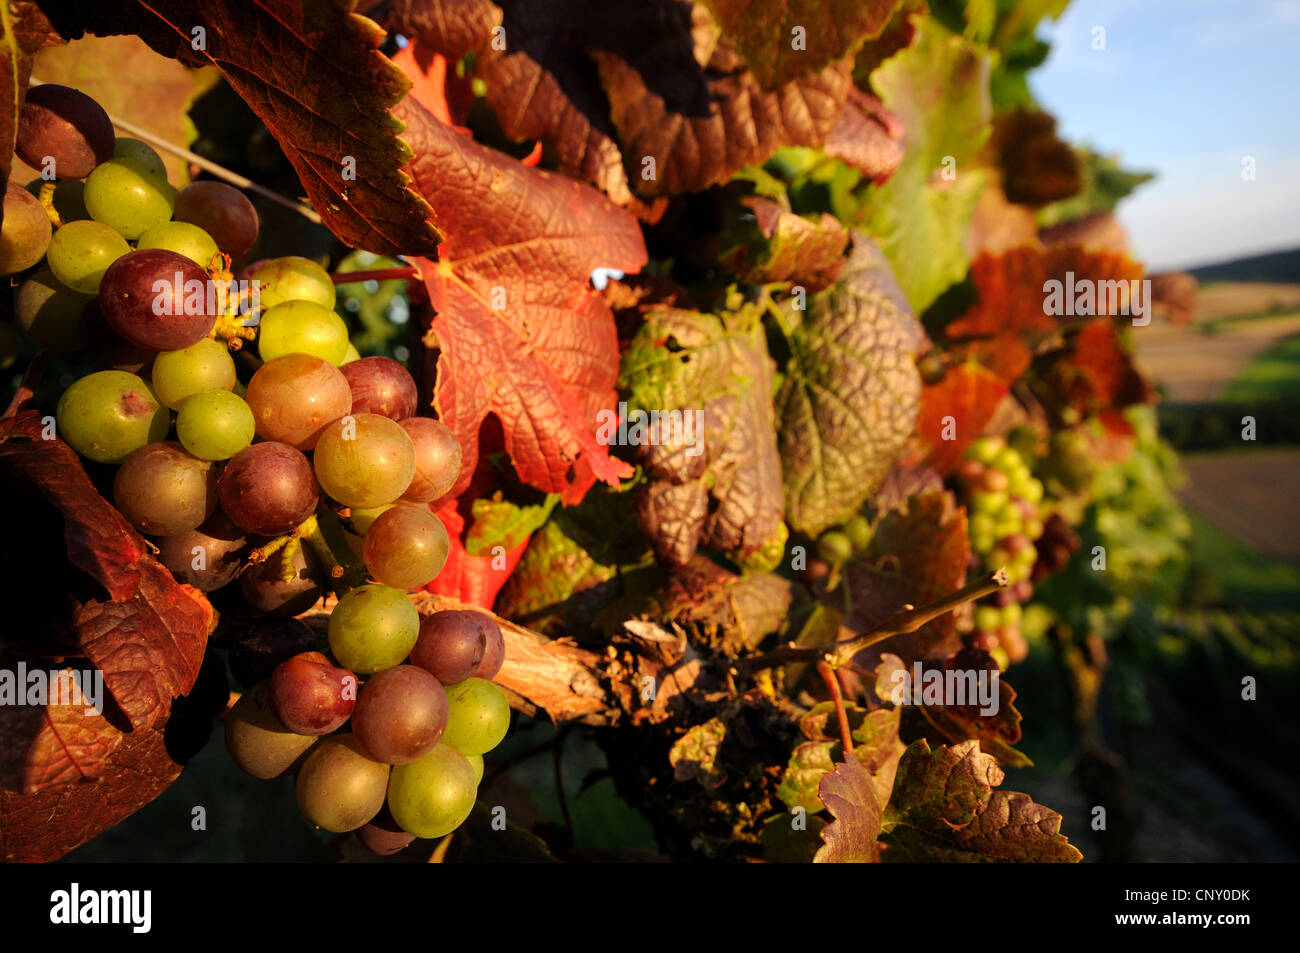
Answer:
(991, 503)
(1007, 460)
(364, 460)
(834, 546)
(999, 655)
(373, 628)
(363, 518)
(1011, 614)
(982, 542)
(142, 153)
(302, 327)
(433, 795)
(1026, 557)
(1033, 491)
(1033, 528)
(215, 425)
(985, 449)
(25, 234)
(184, 239)
(476, 761)
(1018, 483)
(204, 366)
(352, 355)
(981, 524)
(294, 279)
(859, 532)
(1008, 523)
(478, 716)
(987, 618)
(80, 253)
(127, 196)
(49, 312)
(109, 415)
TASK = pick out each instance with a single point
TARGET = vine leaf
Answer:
(24, 30)
(694, 756)
(143, 630)
(314, 75)
(918, 554)
(521, 334)
(610, 86)
(766, 33)
(876, 747)
(944, 807)
(717, 607)
(939, 89)
(954, 412)
(851, 798)
(1010, 323)
(139, 770)
(783, 246)
(850, 396)
(134, 83)
(715, 480)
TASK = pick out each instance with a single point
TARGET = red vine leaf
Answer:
(1099, 374)
(954, 412)
(149, 633)
(521, 333)
(788, 247)
(1011, 320)
(41, 827)
(314, 75)
(868, 136)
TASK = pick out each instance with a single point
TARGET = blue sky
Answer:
(1187, 89)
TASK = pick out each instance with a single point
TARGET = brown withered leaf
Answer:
(789, 247)
(715, 477)
(782, 41)
(944, 808)
(850, 796)
(918, 555)
(868, 136)
(718, 607)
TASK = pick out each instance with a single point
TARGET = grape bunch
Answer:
(396, 757)
(300, 470)
(1004, 499)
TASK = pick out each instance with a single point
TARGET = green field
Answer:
(1274, 375)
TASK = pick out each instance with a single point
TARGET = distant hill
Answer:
(1277, 266)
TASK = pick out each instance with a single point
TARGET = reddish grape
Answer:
(437, 458)
(381, 386)
(295, 397)
(156, 299)
(67, 126)
(223, 212)
(268, 488)
(494, 656)
(383, 836)
(452, 644)
(163, 490)
(400, 714)
(406, 547)
(206, 558)
(265, 589)
(311, 696)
